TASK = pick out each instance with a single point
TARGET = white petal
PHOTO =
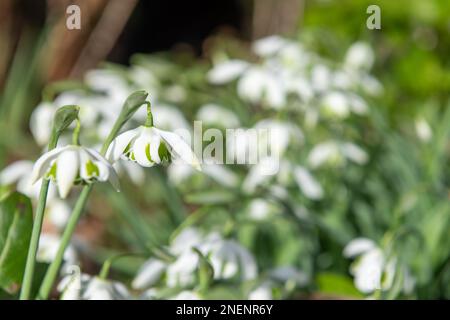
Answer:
(112, 175)
(180, 147)
(358, 246)
(120, 143)
(154, 146)
(226, 71)
(41, 122)
(148, 274)
(308, 184)
(43, 163)
(139, 150)
(15, 171)
(67, 166)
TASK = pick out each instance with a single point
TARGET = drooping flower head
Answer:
(71, 165)
(148, 146)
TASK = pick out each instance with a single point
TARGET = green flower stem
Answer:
(53, 269)
(36, 232)
(133, 102)
(149, 121)
(76, 133)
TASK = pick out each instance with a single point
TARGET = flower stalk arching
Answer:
(76, 133)
(63, 118)
(131, 105)
(149, 120)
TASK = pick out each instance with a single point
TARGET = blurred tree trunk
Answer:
(276, 17)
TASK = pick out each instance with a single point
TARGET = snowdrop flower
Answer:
(359, 56)
(149, 146)
(278, 135)
(213, 114)
(261, 173)
(186, 295)
(102, 289)
(80, 286)
(40, 122)
(149, 274)
(335, 153)
(307, 183)
(262, 292)
(19, 173)
(321, 78)
(169, 118)
(423, 130)
(260, 209)
(108, 82)
(73, 164)
(228, 258)
(227, 71)
(259, 85)
(269, 46)
(335, 103)
(371, 270)
(58, 212)
(48, 247)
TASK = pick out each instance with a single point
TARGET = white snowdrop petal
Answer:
(180, 147)
(67, 165)
(226, 71)
(15, 171)
(150, 272)
(120, 143)
(358, 246)
(154, 148)
(42, 165)
(139, 148)
(308, 184)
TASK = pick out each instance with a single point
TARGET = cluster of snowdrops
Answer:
(313, 227)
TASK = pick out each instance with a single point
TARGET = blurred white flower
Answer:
(41, 122)
(372, 271)
(307, 183)
(262, 292)
(227, 71)
(423, 130)
(336, 104)
(278, 135)
(109, 83)
(70, 164)
(321, 78)
(149, 146)
(335, 153)
(169, 117)
(19, 173)
(149, 273)
(213, 114)
(260, 209)
(81, 286)
(269, 46)
(48, 247)
(259, 85)
(186, 295)
(58, 212)
(359, 56)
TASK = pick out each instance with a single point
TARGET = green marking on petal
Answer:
(92, 169)
(51, 174)
(163, 152)
(147, 152)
